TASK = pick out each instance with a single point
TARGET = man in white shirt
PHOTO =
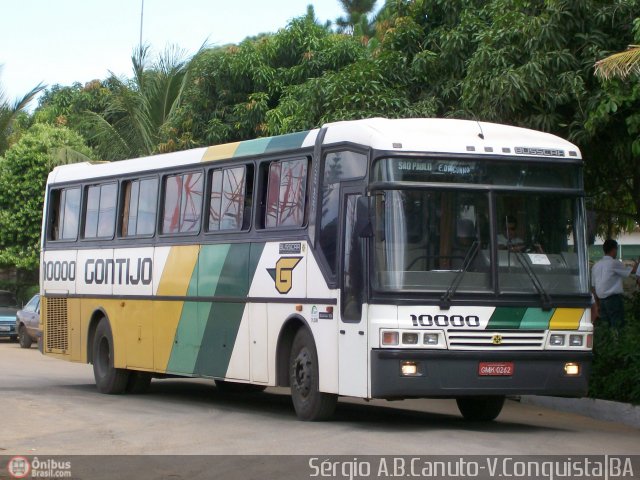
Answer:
(606, 278)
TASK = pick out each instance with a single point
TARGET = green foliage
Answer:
(23, 175)
(234, 87)
(357, 21)
(10, 113)
(616, 364)
(69, 105)
(23, 290)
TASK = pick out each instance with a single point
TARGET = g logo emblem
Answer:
(497, 339)
(283, 273)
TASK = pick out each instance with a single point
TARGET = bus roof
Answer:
(432, 135)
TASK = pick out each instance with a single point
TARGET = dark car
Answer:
(8, 310)
(28, 322)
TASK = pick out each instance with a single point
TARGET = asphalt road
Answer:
(51, 407)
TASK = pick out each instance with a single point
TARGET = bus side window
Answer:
(230, 199)
(285, 193)
(338, 167)
(65, 211)
(139, 207)
(354, 265)
(100, 211)
(183, 203)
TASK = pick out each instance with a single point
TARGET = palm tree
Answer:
(356, 21)
(10, 111)
(141, 107)
(621, 64)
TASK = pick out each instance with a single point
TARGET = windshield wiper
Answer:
(445, 300)
(544, 296)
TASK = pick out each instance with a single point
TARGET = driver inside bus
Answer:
(509, 240)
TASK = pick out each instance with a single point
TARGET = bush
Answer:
(616, 362)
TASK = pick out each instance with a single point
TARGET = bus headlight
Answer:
(410, 338)
(556, 340)
(409, 369)
(431, 339)
(571, 369)
(575, 340)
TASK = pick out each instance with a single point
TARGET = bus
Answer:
(375, 258)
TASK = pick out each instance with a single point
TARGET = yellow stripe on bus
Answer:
(566, 319)
(175, 279)
(220, 152)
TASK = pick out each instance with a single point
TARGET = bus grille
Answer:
(57, 326)
(496, 340)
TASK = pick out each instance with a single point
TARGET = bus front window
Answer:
(423, 239)
(536, 242)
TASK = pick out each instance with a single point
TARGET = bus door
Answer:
(352, 338)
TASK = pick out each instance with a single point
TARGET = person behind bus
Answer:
(606, 278)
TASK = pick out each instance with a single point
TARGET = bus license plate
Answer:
(4, 328)
(495, 369)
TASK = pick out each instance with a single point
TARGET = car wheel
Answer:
(310, 404)
(236, 387)
(482, 409)
(109, 379)
(24, 338)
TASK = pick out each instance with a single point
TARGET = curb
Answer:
(599, 409)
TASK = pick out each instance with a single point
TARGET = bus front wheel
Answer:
(109, 379)
(482, 409)
(309, 403)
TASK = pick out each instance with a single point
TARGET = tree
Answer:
(68, 106)
(140, 109)
(621, 64)
(233, 87)
(23, 175)
(357, 21)
(9, 112)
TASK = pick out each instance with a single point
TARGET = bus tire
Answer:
(237, 387)
(109, 380)
(309, 403)
(138, 382)
(480, 409)
(24, 338)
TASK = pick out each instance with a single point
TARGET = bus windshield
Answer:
(423, 238)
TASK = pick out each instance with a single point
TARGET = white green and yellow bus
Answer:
(377, 258)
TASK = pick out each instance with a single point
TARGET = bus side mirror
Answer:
(364, 227)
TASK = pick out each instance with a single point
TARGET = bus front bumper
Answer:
(445, 373)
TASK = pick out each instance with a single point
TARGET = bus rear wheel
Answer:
(480, 409)
(309, 403)
(109, 380)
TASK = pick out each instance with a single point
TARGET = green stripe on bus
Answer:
(219, 339)
(187, 338)
(286, 142)
(210, 262)
(195, 315)
(252, 147)
(536, 319)
(506, 318)
(224, 319)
